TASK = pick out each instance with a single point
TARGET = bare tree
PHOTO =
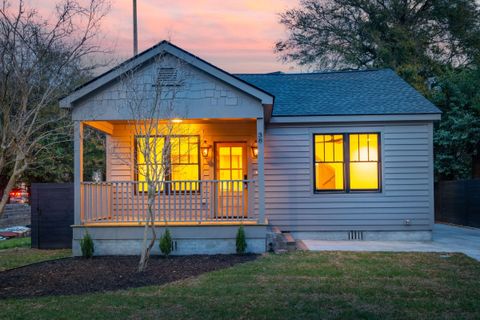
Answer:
(40, 61)
(152, 101)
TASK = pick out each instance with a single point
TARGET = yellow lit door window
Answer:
(231, 168)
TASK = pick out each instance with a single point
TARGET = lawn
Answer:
(20, 255)
(15, 243)
(301, 285)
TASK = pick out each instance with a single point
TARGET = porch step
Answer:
(301, 245)
(291, 244)
(281, 242)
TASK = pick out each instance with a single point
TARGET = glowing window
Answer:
(347, 162)
(153, 167)
(184, 162)
(329, 164)
(230, 166)
(179, 164)
(364, 161)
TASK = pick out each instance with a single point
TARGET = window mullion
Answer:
(168, 165)
(346, 158)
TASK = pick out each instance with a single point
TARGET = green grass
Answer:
(327, 285)
(15, 243)
(17, 257)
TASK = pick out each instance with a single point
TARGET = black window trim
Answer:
(346, 163)
(168, 191)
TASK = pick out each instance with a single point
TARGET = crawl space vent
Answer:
(355, 235)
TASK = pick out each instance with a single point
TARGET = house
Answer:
(338, 155)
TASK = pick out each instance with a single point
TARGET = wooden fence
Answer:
(458, 202)
(52, 215)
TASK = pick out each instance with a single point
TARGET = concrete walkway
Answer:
(446, 238)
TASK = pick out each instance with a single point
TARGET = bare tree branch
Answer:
(39, 63)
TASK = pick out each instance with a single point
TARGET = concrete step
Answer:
(290, 241)
(281, 242)
(301, 245)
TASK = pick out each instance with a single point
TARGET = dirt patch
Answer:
(76, 275)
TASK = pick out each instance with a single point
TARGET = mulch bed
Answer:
(76, 275)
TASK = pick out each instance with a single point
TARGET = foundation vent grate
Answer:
(355, 235)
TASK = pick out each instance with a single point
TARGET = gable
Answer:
(197, 95)
(211, 91)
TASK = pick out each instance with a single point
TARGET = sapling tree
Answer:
(152, 94)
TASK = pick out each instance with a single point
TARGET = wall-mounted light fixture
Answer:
(205, 149)
(254, 150)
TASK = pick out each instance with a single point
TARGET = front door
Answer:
(230, 170)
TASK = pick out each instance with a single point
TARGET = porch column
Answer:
(78, 170)
(260, 164)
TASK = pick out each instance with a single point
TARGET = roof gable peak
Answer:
(147, 55)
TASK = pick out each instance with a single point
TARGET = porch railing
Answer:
(174, 201)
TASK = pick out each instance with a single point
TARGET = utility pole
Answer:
(135, 31)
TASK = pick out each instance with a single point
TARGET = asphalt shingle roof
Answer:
(371, 92)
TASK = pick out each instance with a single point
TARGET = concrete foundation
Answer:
(188, 240)
(367, 235)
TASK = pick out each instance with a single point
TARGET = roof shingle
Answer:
(371, 92)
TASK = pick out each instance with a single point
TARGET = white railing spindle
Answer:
(176, 201)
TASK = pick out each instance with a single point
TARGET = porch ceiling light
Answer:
(176, 120)
(254, 150)
(205, 149)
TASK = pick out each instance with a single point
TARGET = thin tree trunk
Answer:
(10, 184)
(6, 194)
(146, 249)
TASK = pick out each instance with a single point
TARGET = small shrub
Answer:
(87, 246)
(166, 243)
(241, 242)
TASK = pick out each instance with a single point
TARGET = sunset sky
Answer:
(236, 35)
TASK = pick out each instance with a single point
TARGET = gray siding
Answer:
(407, 181)
(200, 96)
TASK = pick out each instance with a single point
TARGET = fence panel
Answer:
(458, 202)
(52, 215)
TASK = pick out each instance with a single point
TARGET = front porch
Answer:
(228, 188)
(202, 214)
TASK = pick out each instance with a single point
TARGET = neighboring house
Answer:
(339, 155)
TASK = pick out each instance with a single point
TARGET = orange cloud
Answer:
(236, 35)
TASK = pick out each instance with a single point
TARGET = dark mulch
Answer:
(76, 275)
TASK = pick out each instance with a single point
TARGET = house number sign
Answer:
(260, 137)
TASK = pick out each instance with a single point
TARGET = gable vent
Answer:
(167, 77)
(355, 235)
